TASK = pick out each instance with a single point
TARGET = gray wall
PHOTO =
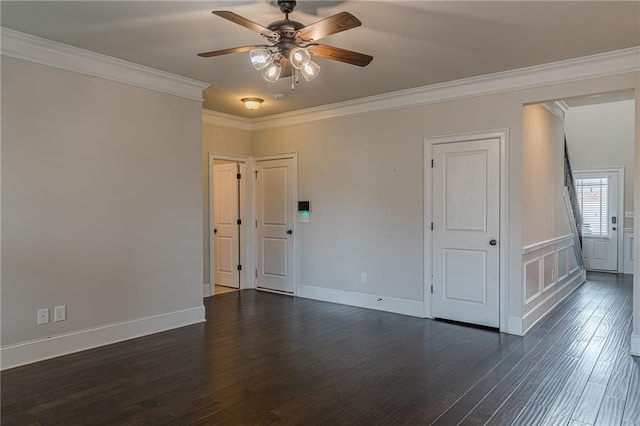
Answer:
(101, 201)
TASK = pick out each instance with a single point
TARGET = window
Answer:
(593, 199)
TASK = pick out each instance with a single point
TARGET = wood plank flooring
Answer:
(263, 358)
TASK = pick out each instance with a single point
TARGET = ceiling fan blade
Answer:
(226, 51)
(240, 20)
(342, 55)
(333, 24)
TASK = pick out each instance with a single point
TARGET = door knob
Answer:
(215, 231)
(493, 242)
(289, 232)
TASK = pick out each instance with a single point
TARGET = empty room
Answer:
(319, 212)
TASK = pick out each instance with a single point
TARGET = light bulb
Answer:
(299, 57)
(310, 71)
(260, 58)
(271, 72)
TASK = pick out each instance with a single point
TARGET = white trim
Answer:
(207, 290)
(635, 344)
(370, 301)
(542, 309)
(600, 65)
(80, 340)
(226, 120)
(51, 53)
(503, 136)
(546, 243)
(556, 108)
(515, 325)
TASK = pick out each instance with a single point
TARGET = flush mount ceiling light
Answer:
(252, 103)
(293, 44)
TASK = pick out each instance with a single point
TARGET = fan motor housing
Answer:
(286, 6)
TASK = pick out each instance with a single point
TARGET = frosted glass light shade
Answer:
(299, 57)
(310, 71)
(260, 58)
(252, 103)
(271, 72)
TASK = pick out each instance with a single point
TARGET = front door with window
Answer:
(598, 198)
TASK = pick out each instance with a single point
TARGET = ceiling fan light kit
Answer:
(260, 58)
(293, 44)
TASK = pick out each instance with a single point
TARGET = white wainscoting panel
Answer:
(627, 250)
(550, 274)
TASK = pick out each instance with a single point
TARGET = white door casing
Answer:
(275, 213)
(226, 212)
(602, 252)
(466, 220)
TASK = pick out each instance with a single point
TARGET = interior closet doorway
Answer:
(226, 221)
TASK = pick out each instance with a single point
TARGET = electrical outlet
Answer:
(363, 277)
(59, 313)
(43, 316)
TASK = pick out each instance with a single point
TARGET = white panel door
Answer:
(275, 219)
(466, 227)
(598, 198)
(226, 213)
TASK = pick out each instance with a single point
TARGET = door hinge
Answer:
(256, 223)
(432, 226)
(239, 267)
(432, 162)
(238, 176)
(256, 273)
(256, 172)
(431, 288)
(239, 222)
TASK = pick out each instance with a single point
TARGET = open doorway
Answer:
(226, 218)
(600, 132)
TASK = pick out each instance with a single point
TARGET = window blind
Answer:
(593, 197)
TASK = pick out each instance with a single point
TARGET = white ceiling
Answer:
(414, 43)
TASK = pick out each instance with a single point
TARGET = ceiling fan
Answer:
(293, 44)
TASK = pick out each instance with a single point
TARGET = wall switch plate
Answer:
(59, 313)
(363, 277)
(43, 316)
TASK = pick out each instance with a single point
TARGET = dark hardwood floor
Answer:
(264, 358)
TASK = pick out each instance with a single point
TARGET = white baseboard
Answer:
(206, 290)
(635, 344)
(371, 301)
(551, 301)
(80, 340)
(514, 326)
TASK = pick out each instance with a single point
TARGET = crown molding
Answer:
(46, 52)
(226, 120)
(557, 108)
(600, 65)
